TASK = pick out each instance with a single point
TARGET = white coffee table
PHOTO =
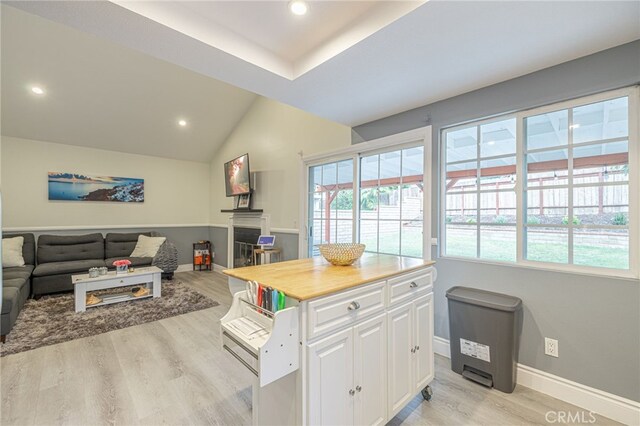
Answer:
(149, 276)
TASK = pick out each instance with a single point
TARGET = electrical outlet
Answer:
(551, 347)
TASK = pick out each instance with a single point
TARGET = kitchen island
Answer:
(350, 345)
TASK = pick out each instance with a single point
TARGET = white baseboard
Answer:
(604, 403)
(188, 267)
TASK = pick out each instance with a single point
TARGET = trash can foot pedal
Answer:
(477, 376)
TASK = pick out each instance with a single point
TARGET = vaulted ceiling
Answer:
(119, 74)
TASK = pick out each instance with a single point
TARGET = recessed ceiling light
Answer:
(182, 123)
(37, 90)
(298, 7)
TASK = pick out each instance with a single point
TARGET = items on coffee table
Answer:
(103, 270)
(93, 272)
(140, 291)
(122, 266)
(92, 299)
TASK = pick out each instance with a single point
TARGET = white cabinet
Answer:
(331, 387)
(370, 365)
(347, 381)
(410, 351)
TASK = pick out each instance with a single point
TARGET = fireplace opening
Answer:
(244, 242)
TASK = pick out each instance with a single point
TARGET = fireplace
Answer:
(244, 242)
(243, 231)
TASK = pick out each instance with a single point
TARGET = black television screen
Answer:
(237, 178)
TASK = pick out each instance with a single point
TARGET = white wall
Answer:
(273, 134)
(176, 192)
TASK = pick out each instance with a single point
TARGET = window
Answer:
(391, 202)
(480, 201)
(548, 186)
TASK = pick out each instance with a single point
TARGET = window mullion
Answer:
(478, 204)
(570, 182)
(521, 200)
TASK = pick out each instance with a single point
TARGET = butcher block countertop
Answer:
(306, 279)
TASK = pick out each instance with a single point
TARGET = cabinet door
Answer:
(423, 308)
(331, 379)
(370, 371)
(400, 378)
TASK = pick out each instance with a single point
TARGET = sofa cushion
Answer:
(135, 261)
(120, 246)
(10, 298)
(28, 247)
(65, 248)
(23, 272)
(12, 252)
(70, 267)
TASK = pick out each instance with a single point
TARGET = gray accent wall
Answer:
(596, 319)
(182, 237)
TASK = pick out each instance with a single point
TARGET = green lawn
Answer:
(500, 250)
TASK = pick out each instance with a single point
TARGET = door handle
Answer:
(413, 284)
(353, 306)
(352, 392)
(413, 350)
(417, 348)
(359, 388)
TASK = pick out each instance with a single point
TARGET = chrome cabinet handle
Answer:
(413, 284)
(352, 392)
(353, 306)
(359, 388)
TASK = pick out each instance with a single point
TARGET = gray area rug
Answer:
(53, 319)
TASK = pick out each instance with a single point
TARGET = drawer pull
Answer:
(352, 392)
(413, 284)
(353, 306)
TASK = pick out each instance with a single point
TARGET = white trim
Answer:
(94, 227)
(188, 267)
(604, 403)
(551, 267)
(273, 230)
(185, 267)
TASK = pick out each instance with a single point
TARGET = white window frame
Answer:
(411, 138)
(633, 94)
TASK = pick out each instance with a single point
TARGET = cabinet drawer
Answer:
(406, 287)
(328, 313)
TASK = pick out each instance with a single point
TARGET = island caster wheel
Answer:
(427, 393)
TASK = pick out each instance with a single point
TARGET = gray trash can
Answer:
(485, 334)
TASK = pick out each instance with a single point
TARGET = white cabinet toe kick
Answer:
(356, 356)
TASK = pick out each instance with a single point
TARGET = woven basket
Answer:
(342, 254)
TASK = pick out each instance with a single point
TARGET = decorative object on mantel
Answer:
(52, 319)
(79, 187)
(122, 266)
(244, 201)
(341, 254)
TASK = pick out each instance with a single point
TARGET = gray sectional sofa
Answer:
(60, 256)
(16, 284)
(49, 268)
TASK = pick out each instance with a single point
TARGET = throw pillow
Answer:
(147, 246)
(12, 252)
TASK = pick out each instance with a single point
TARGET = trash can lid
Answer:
(488, 299)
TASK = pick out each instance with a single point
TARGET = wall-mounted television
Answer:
(237, 177)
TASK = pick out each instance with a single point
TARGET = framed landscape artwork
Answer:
(78, 187)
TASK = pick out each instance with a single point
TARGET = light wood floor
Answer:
(173, 372)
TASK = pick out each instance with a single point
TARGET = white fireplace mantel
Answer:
(249, 219)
